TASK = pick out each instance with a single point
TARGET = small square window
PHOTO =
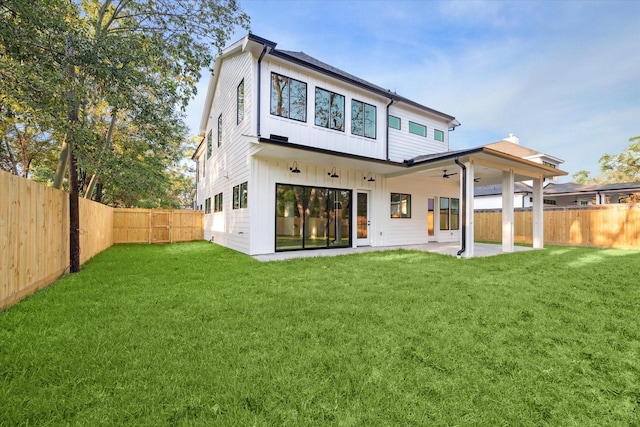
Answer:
(438, 135)
(400, 205)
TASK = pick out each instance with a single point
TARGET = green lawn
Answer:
(196, 334)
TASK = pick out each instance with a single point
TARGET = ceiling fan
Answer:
(447, 175)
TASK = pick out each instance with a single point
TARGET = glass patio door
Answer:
(312, 217)
(363, 222)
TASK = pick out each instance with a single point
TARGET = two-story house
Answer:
(297, 154)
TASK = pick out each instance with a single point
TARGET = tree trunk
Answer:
(74, 211)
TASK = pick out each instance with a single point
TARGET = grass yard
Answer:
(196, 334)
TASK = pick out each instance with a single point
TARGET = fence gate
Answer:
(160, 224)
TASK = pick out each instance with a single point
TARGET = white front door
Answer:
(363, 222)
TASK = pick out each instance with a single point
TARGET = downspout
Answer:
(264, 51)
(387, 125)
(463, 207)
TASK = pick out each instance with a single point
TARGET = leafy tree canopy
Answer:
(615, 168)
(111, 78)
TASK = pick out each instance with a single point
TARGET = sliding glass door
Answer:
(312, 217)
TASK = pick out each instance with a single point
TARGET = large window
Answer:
(219, 130)
(312, 217)
(400, 205)
(417, 129)
(438, 135)
(449, 213)
(288, 98)
(240, 102)
(217, 203)
(209, 143)
(240, 196)
(363, 119)
(329, 109)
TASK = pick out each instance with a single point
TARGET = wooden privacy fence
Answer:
(602, 226)
(34, 233)
(156, 226)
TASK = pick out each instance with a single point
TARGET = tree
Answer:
(89, 63)
(623, 167)
(582, 177)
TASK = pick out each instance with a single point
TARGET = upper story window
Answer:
(417, 129)
(209, 143)
(394, 122)
(288, 98)
(438, 135)
(219, 130)
(551, 165)
(363, 119)
(240, 102)
(329, 110)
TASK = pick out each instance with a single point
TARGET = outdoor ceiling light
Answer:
(333, 173)
(369, 177)
(294, 168)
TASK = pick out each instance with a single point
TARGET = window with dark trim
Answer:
(449, 213)
(209, 143)
(363, 119)
(400, 205)
(240, 196)
(417, 129)
(219, 130)
(207, 205)
(394, 122)
(329, 109)
(240, 103)
(288, 98)
(217, 205)
(438, 135)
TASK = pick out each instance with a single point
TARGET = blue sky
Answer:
(564, 76)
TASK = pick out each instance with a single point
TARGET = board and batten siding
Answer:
(307, 133)
(268, 172)
(404, 145)
(413, 231)
(228, 165)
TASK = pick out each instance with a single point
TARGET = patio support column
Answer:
(508, 217)
(468, 207)
(538, 214)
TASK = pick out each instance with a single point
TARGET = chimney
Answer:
(513, 139)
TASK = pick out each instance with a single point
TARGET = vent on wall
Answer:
(279, 138)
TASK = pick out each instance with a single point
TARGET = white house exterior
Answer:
(297, 154)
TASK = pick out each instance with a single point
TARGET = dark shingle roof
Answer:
(493, 190)
(307, 61)
(571, 187)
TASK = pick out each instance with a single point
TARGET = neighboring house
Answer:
(571, 194)
(554, 194)
(297, 154)
(568, 194)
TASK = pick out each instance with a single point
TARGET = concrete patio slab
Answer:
(451, 249)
